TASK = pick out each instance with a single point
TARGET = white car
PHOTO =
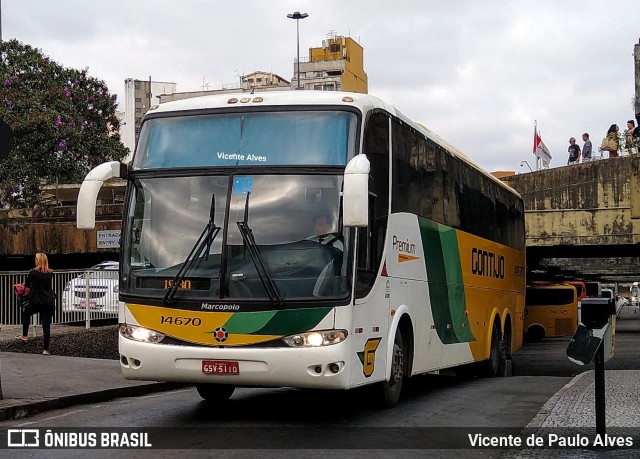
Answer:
(103, 290)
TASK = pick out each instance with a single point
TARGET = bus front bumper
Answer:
(323, 367)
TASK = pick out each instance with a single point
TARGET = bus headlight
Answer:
(141, 334)
(316, 338)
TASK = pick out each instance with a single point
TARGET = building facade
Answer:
(256, 81)
(263, 80)
(338, 65)
(139, 97)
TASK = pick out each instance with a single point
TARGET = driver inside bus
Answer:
(324, 231)
(321, 225)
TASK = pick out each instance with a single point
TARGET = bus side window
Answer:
(371, 239)
(370, 247)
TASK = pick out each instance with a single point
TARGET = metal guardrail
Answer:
(72, 296)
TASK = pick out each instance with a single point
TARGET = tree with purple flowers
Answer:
(64, 123)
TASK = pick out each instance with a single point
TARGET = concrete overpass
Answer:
(583, 221)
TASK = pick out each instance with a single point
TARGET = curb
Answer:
(22, 408)
(547, 408)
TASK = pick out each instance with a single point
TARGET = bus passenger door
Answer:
(371, 306)
(370, 314)
(372, 291)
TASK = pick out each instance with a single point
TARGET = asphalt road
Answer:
(288, 422)
(320, 423)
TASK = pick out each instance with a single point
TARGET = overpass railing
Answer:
(72, 296)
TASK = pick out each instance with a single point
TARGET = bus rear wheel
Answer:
(496, 354)
(391, 389)
(215, 392)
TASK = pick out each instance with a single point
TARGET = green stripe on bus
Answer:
(437, 279)
(455, 284)
(292, 321)
(248, 322)
(446, 288)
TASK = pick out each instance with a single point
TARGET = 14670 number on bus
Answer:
(194, 321)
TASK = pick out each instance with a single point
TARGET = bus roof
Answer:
(362, 102)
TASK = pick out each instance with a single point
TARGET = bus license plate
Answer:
(220, 367)
(83, 305)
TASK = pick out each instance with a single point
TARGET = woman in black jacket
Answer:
(41, 300)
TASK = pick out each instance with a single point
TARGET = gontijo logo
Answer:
(488, 264)
(406, 249)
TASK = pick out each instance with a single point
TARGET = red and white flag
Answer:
(540, 149)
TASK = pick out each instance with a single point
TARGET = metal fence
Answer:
(81, 296)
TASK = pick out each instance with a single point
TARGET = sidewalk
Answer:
(31, 382)
(574, 404)
(571, 412)
(572, 409)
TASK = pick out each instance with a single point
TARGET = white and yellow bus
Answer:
(309, 239)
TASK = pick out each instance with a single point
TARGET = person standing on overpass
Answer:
(574, 152)
(586, 148)
(612, 134)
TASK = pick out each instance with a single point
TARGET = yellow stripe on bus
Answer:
(193, 326)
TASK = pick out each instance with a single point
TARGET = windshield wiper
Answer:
(251, 246)
(208, 235)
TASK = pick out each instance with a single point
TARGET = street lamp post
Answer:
(297, 16)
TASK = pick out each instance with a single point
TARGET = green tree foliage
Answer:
(63, 122)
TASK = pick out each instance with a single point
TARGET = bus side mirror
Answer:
(88, 195)
(355, 193)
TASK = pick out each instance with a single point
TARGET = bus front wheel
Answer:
(392, 388)
(215, 392)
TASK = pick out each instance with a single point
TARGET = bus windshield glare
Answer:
(296, 249)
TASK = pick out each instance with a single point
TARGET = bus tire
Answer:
(391, 389)
(534, 334)
(506, 361)
(215, 392)
(492, 365)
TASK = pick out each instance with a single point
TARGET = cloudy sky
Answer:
(478, 72)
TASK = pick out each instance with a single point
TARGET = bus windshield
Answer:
(280, 238)
(247, 139)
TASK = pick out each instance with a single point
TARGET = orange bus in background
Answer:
(550, 310)
(581, 289)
